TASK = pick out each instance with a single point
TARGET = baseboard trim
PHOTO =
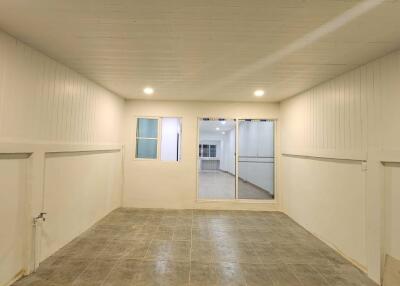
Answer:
(17, 276)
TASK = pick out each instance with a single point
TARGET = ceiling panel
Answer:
(207, 49)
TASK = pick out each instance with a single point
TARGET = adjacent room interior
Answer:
(218, 144)
(199, 143)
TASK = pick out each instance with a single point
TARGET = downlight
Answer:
(259, 93)
(148, 90)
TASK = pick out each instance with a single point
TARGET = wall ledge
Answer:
(51, 147)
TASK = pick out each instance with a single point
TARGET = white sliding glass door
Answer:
(222, 174)
(256, 162)
(216, 159)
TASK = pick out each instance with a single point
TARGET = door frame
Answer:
(236, 199)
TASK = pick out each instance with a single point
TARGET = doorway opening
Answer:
(256, 161)
(217, 159)
(236, 159)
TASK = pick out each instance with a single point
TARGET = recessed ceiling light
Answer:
(148, 90)
(223, 122)
(223, 132)
(217, 128)
(259, 92)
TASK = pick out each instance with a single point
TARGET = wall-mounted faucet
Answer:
(41, 216)
(36, 245)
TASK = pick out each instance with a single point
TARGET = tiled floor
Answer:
(221, 185)
(161, 247)
(251, 192)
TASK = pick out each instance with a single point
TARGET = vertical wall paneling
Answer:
(43, 101)
(332, 124)
(354, 117)
(392, 211)
(45, 106)
(13, 226)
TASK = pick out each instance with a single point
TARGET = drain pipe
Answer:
(37, 221)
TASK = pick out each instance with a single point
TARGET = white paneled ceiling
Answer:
(217, 126)
(207, 49)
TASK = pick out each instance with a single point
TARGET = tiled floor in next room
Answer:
(160, 247)
(221, 185)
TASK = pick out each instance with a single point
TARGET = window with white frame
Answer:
(208, 150)
(146, 138)
(153, 137)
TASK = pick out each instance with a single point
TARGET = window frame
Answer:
(158, 139)
(212, 146)
(237, 200)
(201, 151)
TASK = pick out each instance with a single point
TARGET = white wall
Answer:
(352, 117)
(256, 140)
(80, 189)
(13, 211)
(176, 184)
(228, 158)
(46, 107)
(328, 199)
(392, 209)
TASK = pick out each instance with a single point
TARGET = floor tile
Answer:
(307, 275)
(142, 247)
(95, 273)
(68, 272)
(228, 273)
(281, 275)
(256, 275)
(123, 273)
(202, 251)
(33, 280)
(168, 250)
(168, 273)
(116, 249)
(202, 274)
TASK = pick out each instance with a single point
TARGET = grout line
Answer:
(190, 250)
(321, 274)
(94, 259)
(237, 223)
(294, 273)
(112, 268)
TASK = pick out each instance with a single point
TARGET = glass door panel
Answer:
(256, 162)
(217, 161)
